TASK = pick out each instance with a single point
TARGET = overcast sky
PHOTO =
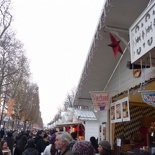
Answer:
(57, 35)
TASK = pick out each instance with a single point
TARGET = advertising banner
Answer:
(119, 111)
(125, 109)
(149, 97)
(100, 100)
(112, 112)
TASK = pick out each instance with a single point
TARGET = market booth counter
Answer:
(76, 127)
(136, 132)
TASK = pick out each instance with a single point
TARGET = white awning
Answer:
(85, 115)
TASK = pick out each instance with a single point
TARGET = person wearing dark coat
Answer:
(94, 143)
(39, 135)
(30, 148)
(10, 141)
(1, 153)
(45, 142)
(40, 145)
(74, 140)
(2, 133)
(20, 147)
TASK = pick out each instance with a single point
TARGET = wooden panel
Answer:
(146, 121)
(140, 117)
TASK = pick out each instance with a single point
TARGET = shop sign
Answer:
(149, 97)
(100, 100)
(142, 38)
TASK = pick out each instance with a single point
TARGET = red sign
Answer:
(100, 100)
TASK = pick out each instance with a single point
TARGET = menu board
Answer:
(119, 110)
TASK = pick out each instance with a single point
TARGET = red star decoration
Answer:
(115, 45)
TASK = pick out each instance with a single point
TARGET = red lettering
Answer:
(99, 98)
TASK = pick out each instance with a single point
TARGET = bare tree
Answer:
(11, 59)
(13, 66)
(5, 16)
(67, 104)
(15, 73)
(69, 99)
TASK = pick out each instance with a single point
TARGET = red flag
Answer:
(115, 45)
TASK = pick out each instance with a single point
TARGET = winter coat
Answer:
(45, 143)
(68, 151)
(6, 151)
(20, 147)
(37, 139)
(47, 150)
(40, 146)
(30, 151)
(18, 150)
(1, 153)
(72, 143)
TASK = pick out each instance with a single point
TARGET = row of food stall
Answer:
(83, 121)
(120, 73)
(121, 63)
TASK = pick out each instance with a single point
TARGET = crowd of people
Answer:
(51, 143)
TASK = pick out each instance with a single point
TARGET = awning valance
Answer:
(67, 124)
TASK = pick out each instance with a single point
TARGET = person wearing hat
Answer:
(83, 148)
(104, 148)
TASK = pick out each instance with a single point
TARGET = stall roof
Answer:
(118, 15)
(85, 115)
(82, 115)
